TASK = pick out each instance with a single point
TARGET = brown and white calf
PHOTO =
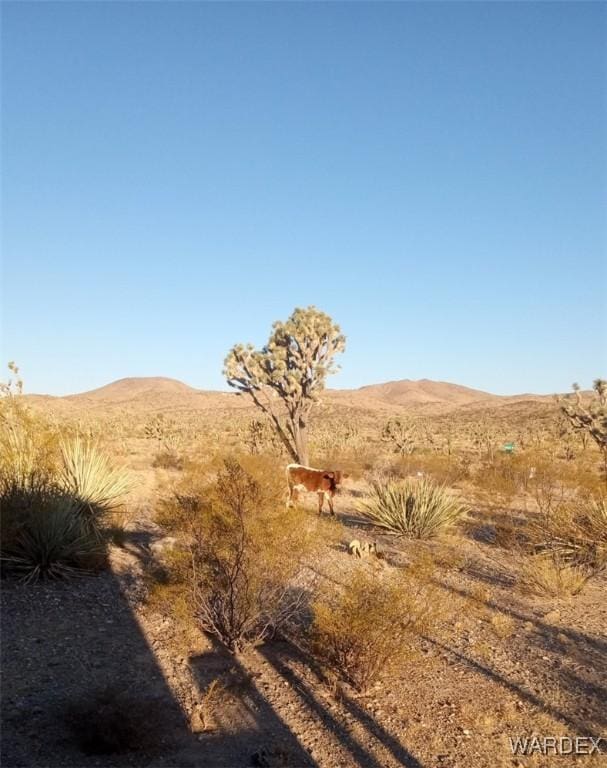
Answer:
(324, 482)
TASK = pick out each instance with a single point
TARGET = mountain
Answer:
(426, 392)
(136, 387)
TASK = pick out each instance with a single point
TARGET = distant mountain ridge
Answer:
(163, 393)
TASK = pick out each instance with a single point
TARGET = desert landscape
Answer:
(303, 384)
(431, 646)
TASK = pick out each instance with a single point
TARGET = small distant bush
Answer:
(367, 629)
(168, 460)
(415, 508)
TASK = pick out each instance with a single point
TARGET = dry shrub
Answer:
(368, 627)
(245, 553)
(547, 574)
(441, 468)
(191, 496)
(168, 460)
(570, 544)
(503, 625)
(414, 508)
(29, 445)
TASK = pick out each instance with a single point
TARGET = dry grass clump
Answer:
(415, 508)
(367, 628)
(546, 575)
(503, 625)
(245, 553)
(568, 545)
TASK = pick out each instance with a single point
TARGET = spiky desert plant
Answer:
(289, 371)
(401, 434)
(43, 534)
(589, 416)
(89, 476)
(415, 508)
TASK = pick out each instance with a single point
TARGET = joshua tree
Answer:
(590, 417)
(401, 434)
(289, 371)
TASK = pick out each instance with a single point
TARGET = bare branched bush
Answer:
(414, 508)
(244, 556)
(366, 629)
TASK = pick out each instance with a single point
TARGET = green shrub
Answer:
(414, 508)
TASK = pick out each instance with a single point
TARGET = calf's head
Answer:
(332, 479)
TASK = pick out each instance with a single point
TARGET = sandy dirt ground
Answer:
(497, 665)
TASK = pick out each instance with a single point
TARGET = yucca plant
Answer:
(43, 535)
(89, 477)
(415, 508)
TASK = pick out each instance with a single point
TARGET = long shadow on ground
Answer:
(80, 683)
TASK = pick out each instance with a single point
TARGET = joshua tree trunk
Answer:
(300, 435)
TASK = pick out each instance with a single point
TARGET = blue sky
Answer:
(176, 176)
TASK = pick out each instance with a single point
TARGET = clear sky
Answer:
(176, 176)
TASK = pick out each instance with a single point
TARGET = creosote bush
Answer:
(367, 628)
(414, 508)
(245, 553)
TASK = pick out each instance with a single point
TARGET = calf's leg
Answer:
(330, 500)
